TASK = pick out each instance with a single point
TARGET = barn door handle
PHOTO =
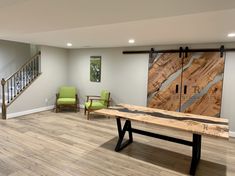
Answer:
(176, 88)
(185, 89)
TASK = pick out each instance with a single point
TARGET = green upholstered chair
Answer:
(67, 97)
(97, 102)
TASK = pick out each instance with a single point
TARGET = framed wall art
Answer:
(95, 68)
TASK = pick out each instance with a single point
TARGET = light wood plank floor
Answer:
(66, 144)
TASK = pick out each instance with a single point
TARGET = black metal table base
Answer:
(195, 143)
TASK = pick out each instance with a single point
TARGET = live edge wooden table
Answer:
(196, 124)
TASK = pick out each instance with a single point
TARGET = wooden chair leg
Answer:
(88, 115)
(85, 111)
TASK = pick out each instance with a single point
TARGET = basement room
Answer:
(117, 88)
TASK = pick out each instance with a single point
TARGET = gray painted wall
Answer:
(12, 56)
(126, 76)
(42, 92)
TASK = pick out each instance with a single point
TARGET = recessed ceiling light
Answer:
(69, 44)
(231, 35)
(131, 41)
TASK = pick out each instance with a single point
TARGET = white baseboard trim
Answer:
(231, 133)
(22, 113)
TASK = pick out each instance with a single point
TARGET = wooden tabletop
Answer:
(197, 124)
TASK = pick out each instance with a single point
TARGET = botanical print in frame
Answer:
(95, 68)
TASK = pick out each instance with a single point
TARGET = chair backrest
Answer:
(105, 95)
(67, 92)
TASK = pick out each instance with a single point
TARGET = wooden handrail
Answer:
(39, 53)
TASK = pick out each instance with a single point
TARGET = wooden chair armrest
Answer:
(93, 96)
(100, 99)
(88, 96)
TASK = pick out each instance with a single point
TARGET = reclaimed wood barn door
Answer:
(164, 81)
(202, 82)
(191, 83)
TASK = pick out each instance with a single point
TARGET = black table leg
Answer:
(130, 131)
(196, 153)
(121, 134)
(196, 143)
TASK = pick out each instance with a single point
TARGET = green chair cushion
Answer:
(66, 101)
(67, 92)
(95, 105)
(104, 96)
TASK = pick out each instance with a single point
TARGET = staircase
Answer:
(17, 83)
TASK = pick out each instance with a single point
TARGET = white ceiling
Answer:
(110, 23)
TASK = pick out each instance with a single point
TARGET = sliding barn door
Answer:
(164, 81)
(202, 82)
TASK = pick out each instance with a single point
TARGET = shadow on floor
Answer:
(167, 159)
